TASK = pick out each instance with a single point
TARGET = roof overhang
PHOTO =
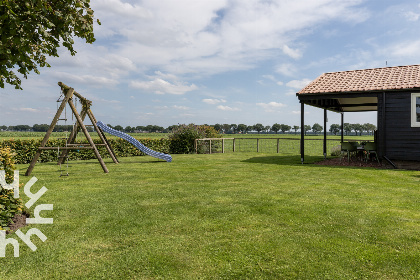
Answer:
(342, 101)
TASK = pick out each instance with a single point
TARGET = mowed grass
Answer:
(223, 216)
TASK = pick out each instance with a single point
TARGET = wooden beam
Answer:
(66, 148)
(68, 95)
(357, 105)
(95, 150)
(335, 95)
(72, 137)
(65, 87)
(102, 136)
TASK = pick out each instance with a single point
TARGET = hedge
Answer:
(25, 149)
(9, 206)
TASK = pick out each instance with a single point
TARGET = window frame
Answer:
(414, 122)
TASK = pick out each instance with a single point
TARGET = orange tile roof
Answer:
(388, 78)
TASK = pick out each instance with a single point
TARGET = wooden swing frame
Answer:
(79, 125)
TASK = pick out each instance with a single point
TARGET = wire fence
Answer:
(285, 146)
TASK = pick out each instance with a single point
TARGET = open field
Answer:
(6, 135)
(223, 216)
(288, 143)
(277, 143)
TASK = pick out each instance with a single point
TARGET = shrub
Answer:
(336, 151)
(183, 137)
(26, 149)
(9, 206)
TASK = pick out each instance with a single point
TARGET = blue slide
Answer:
(133, 141)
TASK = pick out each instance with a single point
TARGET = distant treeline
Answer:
(316, 128)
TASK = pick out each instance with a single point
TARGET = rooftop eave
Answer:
(350, 94)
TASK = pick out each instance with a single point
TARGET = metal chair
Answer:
(370, 149)
(348, 148)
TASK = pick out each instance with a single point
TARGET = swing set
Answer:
(68, 94)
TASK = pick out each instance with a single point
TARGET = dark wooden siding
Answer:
(398, 141)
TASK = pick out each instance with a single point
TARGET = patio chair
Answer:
(370, 150)
(348, 148)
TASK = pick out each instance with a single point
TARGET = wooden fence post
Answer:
(195, 146)
(210, 146)
(223, 146)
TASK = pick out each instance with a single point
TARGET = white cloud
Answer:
(180, 107)
(269, 77)
(161, 107)
(227, 108)
(286, 69)
(291, 52)
(123, 9)
(86, 79)
(411, 16)
(160, 86)
(271, 106)
(213, 101)
(210, 37)
(298, 84)
(405, 49)
(32, 110)
(98, 99)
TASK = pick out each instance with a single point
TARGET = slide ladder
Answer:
(135, 142)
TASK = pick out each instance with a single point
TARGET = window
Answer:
(415, 109)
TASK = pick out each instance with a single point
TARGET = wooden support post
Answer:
(278, 145)
(325, 133)
(102, 136)
(302, 131)
(72, 137)
(95, 150)
(342, 127)
(258, 145)
(68, 95)
(233, 144)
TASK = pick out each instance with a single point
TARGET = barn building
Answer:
(394, 92)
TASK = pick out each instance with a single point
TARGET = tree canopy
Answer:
(32, 30)
(316, 128)
(335, 128)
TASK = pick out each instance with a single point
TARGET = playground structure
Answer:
(69, 93)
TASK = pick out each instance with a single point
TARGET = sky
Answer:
(172, 62)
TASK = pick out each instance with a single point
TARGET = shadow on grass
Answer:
(295, 161)
(284, 160)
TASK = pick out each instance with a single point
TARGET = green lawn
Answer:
(223, 216)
